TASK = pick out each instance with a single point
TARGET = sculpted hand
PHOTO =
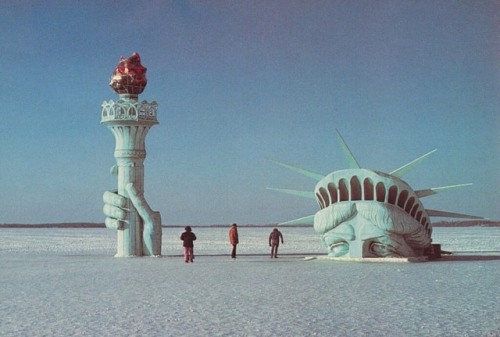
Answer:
(116, 211)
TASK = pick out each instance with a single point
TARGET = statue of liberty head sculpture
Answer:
(366, 213)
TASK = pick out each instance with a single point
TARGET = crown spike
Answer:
(349, 157)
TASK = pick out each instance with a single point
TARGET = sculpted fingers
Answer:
(113, 210)
(114, 216)
(116, 210)
(114, 199)
(113, 223)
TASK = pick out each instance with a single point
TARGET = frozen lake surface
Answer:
(66, 282)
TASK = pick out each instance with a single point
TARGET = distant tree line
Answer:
(56, 225)
(471, 223)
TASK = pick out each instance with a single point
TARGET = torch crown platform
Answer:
(129, 109)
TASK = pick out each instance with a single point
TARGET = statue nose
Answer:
(356, 248)
(360, 248)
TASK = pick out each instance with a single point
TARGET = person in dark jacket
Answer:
(188, 237)
(233, 239)
(274, 242)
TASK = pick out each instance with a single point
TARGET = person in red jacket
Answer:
(188, 237)
(233, 239)
(274, 242)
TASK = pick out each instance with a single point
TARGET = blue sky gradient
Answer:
(238, 83)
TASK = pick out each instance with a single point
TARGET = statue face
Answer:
(370, 225)
(367, 229)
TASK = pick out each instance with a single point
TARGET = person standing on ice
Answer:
(233, 239)
(274, 242)
(188, 237)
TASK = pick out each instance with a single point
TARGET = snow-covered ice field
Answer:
(66, 282)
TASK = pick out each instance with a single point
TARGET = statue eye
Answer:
(378, 249)
(339, 248)
(382, 250)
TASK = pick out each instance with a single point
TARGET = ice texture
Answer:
(66, 282)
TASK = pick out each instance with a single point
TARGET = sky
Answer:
(239, 83)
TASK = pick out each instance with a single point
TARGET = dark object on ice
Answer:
(274, 242)
(233, 239)
(188, 237)
(433, 252)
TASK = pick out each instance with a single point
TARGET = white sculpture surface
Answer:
(370, 214)
(139, 227)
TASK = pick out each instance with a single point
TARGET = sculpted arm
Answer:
(116, 213)
(151, 219)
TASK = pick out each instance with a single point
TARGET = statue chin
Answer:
(370, 229)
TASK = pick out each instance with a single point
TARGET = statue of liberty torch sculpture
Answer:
(139, 228)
